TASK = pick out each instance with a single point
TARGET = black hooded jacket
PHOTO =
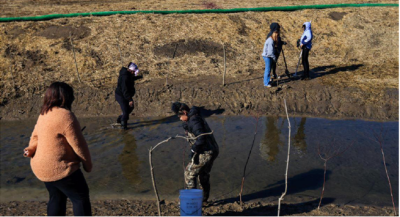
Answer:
(276, 27)
(197, 125)
(126, 84)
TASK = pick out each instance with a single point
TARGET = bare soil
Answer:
(354, 65)
(171, 208)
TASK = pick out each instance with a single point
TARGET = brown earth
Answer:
(354, 63)
(171, 208)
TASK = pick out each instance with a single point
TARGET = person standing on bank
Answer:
(125, 91)
(268, 55)
(57, 148)
(306, 44)
(275, 27)
(204, 150)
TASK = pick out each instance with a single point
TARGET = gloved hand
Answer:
(195, 155)
(284, 43)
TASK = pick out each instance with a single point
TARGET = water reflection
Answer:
(269, 147)
(300, 137)
(129, 159)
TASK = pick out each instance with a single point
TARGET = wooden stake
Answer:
(76, 64)
(223, 78)
(287, 161)
(120, 53)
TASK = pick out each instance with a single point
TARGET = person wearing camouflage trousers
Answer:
(204, 148)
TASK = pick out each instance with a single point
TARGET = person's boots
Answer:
(124, 125)
(119, 119)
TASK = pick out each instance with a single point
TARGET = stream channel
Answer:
(121, 160)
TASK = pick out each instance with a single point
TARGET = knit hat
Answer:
(132, 66)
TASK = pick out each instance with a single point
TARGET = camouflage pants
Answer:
(202, 171)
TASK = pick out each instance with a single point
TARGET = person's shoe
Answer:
(268, 86)
(124, 125)
(119, 119)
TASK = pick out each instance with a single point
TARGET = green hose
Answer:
(234, 10)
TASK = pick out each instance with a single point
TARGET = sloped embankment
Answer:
(354, 63)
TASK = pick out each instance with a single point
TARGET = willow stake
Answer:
(287, 161)
(76, 64)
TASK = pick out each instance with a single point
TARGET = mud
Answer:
(56, 32)
(337, 15)
(171, 208)
(242, 96)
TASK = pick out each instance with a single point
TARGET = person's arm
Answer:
(270, 49)
(31, 149)
(137, 77)
(306, 38)
(78, 143)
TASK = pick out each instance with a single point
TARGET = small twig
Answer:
(176, 47)
(287, 161)
(247, 161)
(380, 142)
(327, 156)
(223, 78)
(120, 53)
(76, 64)
(12, 77)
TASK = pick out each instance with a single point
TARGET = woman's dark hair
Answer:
(177, 107)
(59, 94)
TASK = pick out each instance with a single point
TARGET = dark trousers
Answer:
(75, 188)
(126, 109)
(273, 65)
(304, 59)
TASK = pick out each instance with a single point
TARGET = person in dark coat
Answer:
(125, 91)
(278, 46)
(204, 149)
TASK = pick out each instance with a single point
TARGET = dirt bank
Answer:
(171, 208)
(245, 96)
(355, 64)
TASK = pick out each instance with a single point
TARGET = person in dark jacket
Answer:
(125, 91)
(204, 149)
(278, 46)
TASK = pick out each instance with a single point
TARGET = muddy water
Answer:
(121, 165)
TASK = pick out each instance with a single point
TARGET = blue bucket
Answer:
(191, 201)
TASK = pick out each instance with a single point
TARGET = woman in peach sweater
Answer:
(57, 148)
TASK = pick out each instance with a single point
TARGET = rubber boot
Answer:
(124, 125)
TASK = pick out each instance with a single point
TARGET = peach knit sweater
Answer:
(57, 146)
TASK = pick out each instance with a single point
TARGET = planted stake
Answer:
(76, 64)
(287, 161)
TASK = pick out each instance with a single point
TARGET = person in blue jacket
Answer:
(305, 45)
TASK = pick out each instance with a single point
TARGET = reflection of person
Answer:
(204, 149)
(306, 44)
(300, 137)
(129, 159)
(271, 139)
(125, 91)
(268, 55)
(56, 148)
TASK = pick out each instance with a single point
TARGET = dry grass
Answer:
(42, 7)
(367, 37)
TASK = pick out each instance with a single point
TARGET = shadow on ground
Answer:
(271, 210)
